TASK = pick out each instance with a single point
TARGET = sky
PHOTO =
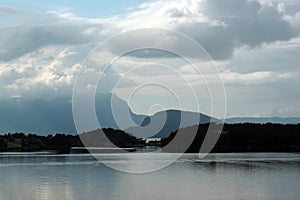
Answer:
(255, 45)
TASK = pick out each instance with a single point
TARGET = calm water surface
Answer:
(218, 176)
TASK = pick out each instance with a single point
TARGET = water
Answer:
(219, 176)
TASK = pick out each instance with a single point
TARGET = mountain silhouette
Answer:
(48, 116)
(161, 124)
(45, 116)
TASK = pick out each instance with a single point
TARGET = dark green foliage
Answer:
(247, 138)
(62, 143)
(234, 138)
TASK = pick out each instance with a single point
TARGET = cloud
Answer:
(219, 26)
(23, 37)
(8, 10)
(21, 40)
(257, 77)
(246, 23)
(285, 112)
(280, 57)
(237, 78)
(41, 73)
(255, 42)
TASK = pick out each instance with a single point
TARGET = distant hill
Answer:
(161, 124)
(263, 120)
(172, 118)
(240, 138)
(62, 143)
(44, 116)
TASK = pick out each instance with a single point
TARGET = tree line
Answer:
(63, 143)
(244, 137)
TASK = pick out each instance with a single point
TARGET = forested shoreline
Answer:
(244, 137)
(62, 143)
(234, 138)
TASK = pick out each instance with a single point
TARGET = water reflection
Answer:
(225, 176)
